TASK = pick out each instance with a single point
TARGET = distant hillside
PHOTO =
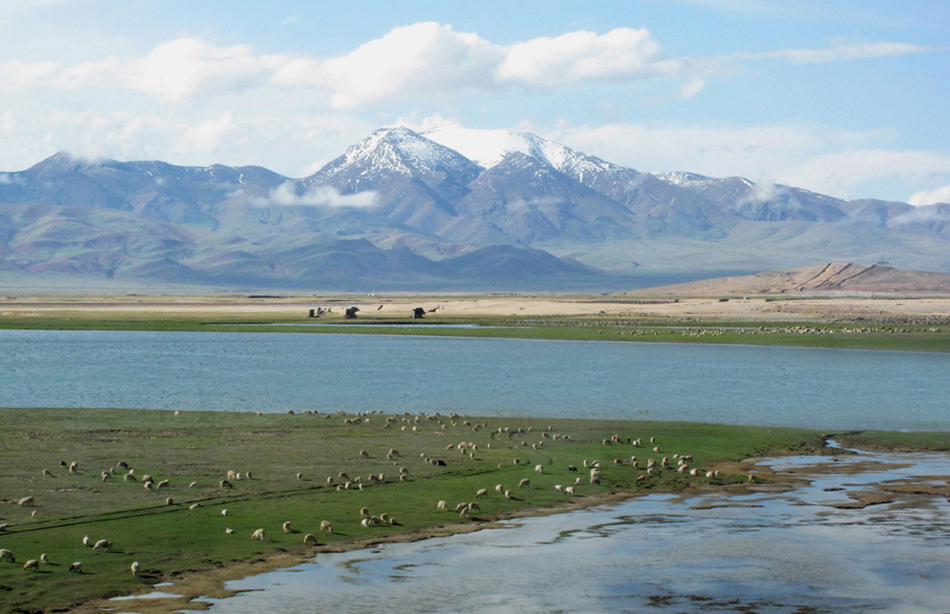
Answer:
(825, 278)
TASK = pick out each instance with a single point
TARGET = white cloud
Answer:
(208, 135)
(841, 53)
(419, 58)
(623, 53)
(177, 70)
(320, 196)
(931, 197)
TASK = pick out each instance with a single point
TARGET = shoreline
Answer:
(211, 583)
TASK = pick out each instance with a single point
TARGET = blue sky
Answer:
(848, 98)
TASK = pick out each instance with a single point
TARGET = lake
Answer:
(276, 372)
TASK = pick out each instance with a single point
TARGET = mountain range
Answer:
(446, 209)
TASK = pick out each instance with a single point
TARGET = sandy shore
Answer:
(701, 309)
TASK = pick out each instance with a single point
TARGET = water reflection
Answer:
(763, 552)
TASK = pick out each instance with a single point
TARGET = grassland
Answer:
(171, 540)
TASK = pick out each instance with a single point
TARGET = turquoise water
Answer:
(276, 372)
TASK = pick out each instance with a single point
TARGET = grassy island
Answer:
(290, 469)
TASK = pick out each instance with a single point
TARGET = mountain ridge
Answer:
(404, 194)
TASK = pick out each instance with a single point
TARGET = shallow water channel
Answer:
(791, 552)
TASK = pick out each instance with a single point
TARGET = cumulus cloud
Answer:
(319, 196)
(930, 197)
(420, 58)
(623, 53)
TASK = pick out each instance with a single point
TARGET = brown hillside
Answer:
(822, 278)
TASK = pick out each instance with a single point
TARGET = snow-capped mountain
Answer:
(447, 208)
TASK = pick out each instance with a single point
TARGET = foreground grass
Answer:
(169, 539)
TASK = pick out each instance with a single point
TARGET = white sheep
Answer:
(499, 488)
(524, 483)
(539, 468)
(224, 512)
(326, 526)
(226, 484)
(6, 555)
(482, 492)
(47, 473)
(76, 567)
(44, 558)
(86, 541)
(169, 501)
(135, 568)
(442, 506)
(194, 506)
(258, 534)
(229, 531)
(558, 488)
(26, 501)
(310, 539)
(32, 564)
(102, 544)
(286, 527)
(508, 494)
(569, 490)
(162, 484)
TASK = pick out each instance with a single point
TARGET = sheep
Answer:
(130, 477)
(105, 475)
(193, 485)
(194, 506)
(508, 494)
(569, 490)
(47, 473)
(326, 526)
(224, 512)
(539, 468)
(229, 531)
(310, 539)
(149, 485)
(147, 478)
(135, 568)
(524, 483)
(330, 480)
(558, 488)
(499, 488)
(86, 541)
(231, 475)
(6, 555)
(226, 484)
(572, 468)
(258, 534)
(482, 492)
(343, 475)
(76, 567)
(442, 506)
(74, 467)
(299, 476)
(364, 511)
(169, 501)
(44, 558)
(473, 507)
(364, 454)
(32, 564)
(26, 501)
(286, 527)
(162, 484)
(102, 544)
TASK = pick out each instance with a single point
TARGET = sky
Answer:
(849, 98)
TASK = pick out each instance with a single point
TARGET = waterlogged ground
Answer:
(820, 548)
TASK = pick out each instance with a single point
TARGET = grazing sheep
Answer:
(47, 473)
(508, 494)
(558, 488)
(193, 485)
(523, 483)
(442, 506)
(499, 488)
(76, 567)
(569, 490)
(27, 501)
(74, 467)
(162, 484)
(403, 477)
(147, 478)
(105, 475)
(326, 526)
(231, 475)
(102, 544)
(169, 501)
(229, 531)
(6, 555)
(130, 477)
(299, 476)
(482, 492)
(572, 468)
(32, 564)
(364, 511)
(474, 507)
(258, 534)
(135, 568)
(343, 475)
(310, 539)
(44, 558)
(194, 506)
(539, 468)
(149, 485)
(364, 454)
(330, 480)
(86, 541)
(224, 512)
(226, 484)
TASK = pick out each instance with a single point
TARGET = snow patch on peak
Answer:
(404, 150)
(489, 147)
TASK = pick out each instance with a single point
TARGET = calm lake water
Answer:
(275, 372)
